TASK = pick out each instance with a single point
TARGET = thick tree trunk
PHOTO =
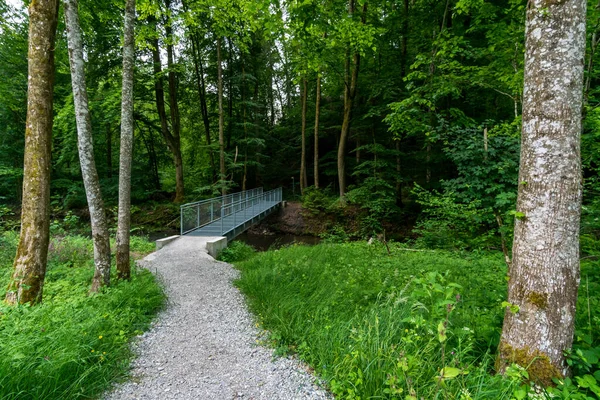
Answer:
(303, 179)
(544, 276)
(222, 171)
(351, 81)
(317, 115)
(85, 143)
(124, 222)
(27, 280)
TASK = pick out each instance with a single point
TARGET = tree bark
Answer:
(544, 277)
(303, 179)
(173, 141)
(85, 143)
(222, 170)
(126, 153)
(199, 70)
(351, 81)
(109, 165)
(317, 115)
(29, 269)
(229, 93)
(174, 110)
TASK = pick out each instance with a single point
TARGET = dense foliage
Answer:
(73, 345)
(413, 323)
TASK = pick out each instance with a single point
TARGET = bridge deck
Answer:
(236, 223)
(229, 216)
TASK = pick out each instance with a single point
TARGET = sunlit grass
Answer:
(378, 326)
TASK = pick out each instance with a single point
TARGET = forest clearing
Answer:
(442, 157)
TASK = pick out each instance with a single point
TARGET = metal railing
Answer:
(242, 206)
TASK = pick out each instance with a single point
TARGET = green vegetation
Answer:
(414, 323)
(72, 345)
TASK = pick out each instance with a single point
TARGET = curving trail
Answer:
(204, 344)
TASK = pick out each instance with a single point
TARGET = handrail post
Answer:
(181, 220)
(212, 211)
(222, 210)
(197, 216)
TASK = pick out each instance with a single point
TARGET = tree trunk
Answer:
(317, 115)
(398, 175)
(109, 166)
(229, 93)
(221, 135)
(126, 154)
(245, 174)
(27, 280)
(199, 70)
(303, 179)
(544, 276)
(174, 111)
(404, 46)
(351, 81)
(172, 141)
(85, 143)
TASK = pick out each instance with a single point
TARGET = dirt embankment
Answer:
(294, 220)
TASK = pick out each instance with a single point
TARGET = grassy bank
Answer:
(416, 324)
(73, 345)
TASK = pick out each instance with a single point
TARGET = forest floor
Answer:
(205, 344)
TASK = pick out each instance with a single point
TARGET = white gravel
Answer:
(204, 344)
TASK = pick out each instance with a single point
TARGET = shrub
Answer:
(236, 251)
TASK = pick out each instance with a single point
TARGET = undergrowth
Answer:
(72, 345)
(413, 325)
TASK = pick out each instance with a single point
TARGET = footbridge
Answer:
(228, 215)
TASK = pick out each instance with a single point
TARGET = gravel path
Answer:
(204, 344)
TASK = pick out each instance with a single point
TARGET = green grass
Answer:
(72, 345)
(416, 323)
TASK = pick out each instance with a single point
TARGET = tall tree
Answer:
(350, 85)
(85, 143)
(222, 171)
(544, 277)
(171, 135)
(175, 139)
(317, 115)
(303, 178)
(27, 280)
(124, 223)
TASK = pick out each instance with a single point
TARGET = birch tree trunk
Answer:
(303, 179)
(29, 269)
(85, 144)
(317, 115)
(124, 222)
(544, 276)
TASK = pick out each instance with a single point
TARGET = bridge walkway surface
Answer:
(228, 215)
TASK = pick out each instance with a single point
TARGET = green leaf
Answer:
(450, 373)
(442, 332)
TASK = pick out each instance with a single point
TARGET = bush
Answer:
(316, 200)
(236, 251)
